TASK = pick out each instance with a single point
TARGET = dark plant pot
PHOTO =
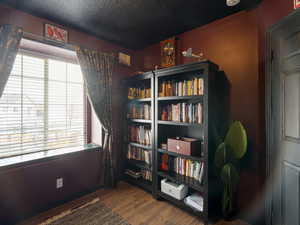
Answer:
(230, 216)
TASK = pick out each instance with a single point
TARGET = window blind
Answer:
(42, 106)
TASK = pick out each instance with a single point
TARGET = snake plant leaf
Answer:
(223, 155)
(236, 139)
(230, 176)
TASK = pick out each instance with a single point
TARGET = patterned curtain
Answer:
(10, 37)
(97, 69)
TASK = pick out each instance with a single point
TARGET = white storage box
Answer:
(178, 191)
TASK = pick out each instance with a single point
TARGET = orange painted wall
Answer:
(237, 44)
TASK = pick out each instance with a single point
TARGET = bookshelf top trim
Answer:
(185, 68)
(139, 77)
(193, 158)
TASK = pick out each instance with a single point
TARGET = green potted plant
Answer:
(227, 157)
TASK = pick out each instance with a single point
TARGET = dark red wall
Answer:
(24, 191)
(34, 25)
(235, 43)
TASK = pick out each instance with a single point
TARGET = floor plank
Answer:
(135, 205)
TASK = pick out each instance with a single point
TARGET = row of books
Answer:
(182, 112)
(140, 134)
(139, 111)
(189, 168)
(139, 154)
(191, 87)
(136, 93)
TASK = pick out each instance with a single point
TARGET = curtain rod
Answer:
(44, 40)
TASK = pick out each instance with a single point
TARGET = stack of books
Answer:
(182, 112)
(140, 134)
(139, 111)
(139, 154)
(133, 173)
(136, 174)
(181, 88)
(136, 93)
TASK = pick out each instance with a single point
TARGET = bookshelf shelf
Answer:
(178, 98)
(140, 100)
(140, 121)
(181, 205)
(140, 146)
(144, 184)
(194, 158)
(179, 179)
(139, 164)
(163, 122)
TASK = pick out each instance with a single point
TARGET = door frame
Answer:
(269, 80)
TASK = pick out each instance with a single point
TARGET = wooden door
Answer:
(284, 121)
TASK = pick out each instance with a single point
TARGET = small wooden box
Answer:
(185, 146)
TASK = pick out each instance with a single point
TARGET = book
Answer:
(139, 111)
(137, 93)
(184, 167)
(191, 87)
(139, 154)
(182, 112)
(139, 134)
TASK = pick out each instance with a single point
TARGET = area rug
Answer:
(91, 213)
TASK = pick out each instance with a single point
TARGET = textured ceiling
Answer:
(130, 23)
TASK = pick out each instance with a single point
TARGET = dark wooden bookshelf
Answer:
(137, 81)
(215, 113)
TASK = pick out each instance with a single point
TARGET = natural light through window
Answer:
(42, 107)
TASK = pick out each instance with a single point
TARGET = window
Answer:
(42, 107)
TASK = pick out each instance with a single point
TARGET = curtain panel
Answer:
(10, 37)
(97, 69)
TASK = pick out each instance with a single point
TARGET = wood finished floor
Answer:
(133, 204)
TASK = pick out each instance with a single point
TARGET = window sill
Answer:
(28, 159)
